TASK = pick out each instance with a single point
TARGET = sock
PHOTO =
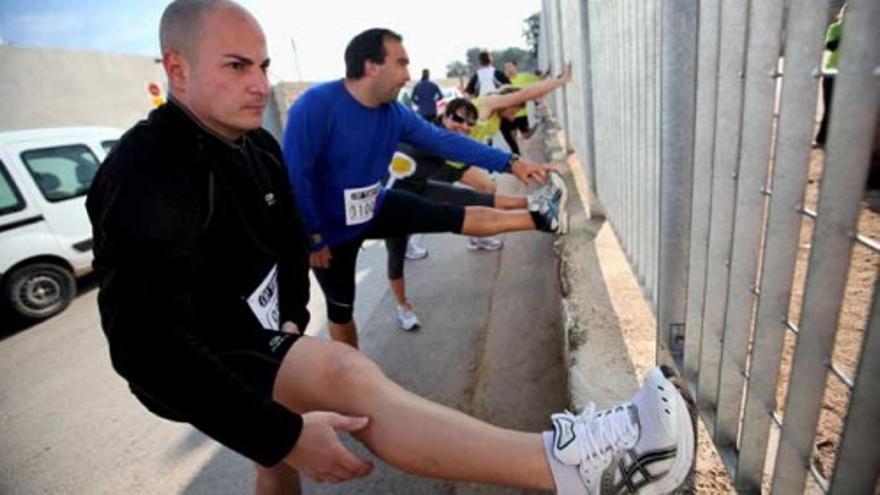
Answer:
(566, 478)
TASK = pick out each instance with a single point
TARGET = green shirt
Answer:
(487, 128)
(832, 35)
(520, 80)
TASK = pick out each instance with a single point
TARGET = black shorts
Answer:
(449, 174)
(402, 213)
(521, 123)
(256, 363)
(438, 191)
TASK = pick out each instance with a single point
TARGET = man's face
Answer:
(510, 69)
(226, 86)
(391, 76)
(460, 121)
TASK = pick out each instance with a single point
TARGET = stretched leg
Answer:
(504, 202)
(478, 179)
(280, 479)
(407, 431)
(482, 221)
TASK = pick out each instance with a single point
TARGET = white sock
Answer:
(566, 478)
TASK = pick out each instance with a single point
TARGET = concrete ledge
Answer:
(609, 329)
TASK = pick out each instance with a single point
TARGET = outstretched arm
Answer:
(530, 92)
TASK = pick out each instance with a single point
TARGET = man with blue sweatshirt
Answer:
(339, 140)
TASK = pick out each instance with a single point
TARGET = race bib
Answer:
(264, 301)
(360, 204)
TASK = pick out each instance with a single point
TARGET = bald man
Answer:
(203, 266)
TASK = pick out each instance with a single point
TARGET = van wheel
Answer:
(40, 290)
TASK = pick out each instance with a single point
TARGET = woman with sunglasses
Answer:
(501, 105)
(421, 172)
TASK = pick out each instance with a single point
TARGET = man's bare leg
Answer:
(280, 479)
(479, 180)
(344, 332)
(483, 221)
(407, 431)
(511, 202)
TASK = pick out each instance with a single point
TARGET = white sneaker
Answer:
(484, 244)
(644, 446)
(549, 205)
(407, 318)
(414, 251)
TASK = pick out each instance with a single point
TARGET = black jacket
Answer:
(186, 227)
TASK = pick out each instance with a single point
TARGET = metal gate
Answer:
(694, 121)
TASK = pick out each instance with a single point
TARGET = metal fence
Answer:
(693, 121)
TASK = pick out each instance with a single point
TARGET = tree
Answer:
(524, 59)
(532, 32)
(457, 69)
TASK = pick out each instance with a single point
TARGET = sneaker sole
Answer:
(686, 445)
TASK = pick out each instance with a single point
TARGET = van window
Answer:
(62, 173)
(10, 199)
(109, 144)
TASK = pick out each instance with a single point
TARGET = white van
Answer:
(45, 234)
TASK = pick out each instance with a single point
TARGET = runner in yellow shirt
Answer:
(521, 122)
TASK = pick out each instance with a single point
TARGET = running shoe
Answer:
(550, 213)
(644, 446)
(537, 196)
(414, 251)
(407, 318)
(484, 244)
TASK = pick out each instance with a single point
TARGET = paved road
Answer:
(490, 345)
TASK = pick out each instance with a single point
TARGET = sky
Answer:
(435, 33)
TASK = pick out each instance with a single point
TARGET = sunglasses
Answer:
(462, 120)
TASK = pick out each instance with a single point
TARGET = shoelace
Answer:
(610, 431)
(540, 195)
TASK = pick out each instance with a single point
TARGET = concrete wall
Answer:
(48, 88)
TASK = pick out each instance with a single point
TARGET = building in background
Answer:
(44, 87)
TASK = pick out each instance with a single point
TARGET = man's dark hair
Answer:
(369, 45)
(513, 61)
(425, 74)
(485, 59)
(458, 103)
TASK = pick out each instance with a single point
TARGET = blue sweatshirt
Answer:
(337, 152)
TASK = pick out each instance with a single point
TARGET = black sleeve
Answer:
(501, 78)
(146, 220)
(472, 86)
(293, 270)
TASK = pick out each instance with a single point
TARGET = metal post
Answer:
(701, 193)
(856, 101)
(679, 85)
(858, 464)
(760, 91)
(729, 119)
(795, 127)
